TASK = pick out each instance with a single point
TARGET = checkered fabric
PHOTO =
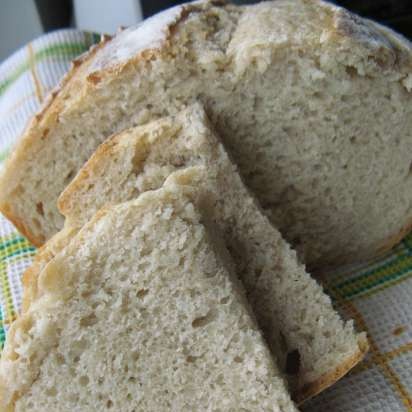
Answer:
(378, 295)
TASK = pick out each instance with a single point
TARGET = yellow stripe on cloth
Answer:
(377, 357)
(36, 80)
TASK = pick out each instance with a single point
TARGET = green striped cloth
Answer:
(378, 295)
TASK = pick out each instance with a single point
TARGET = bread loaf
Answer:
(313, 102)
(313, 346)
(141, 312)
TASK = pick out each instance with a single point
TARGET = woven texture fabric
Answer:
(378, 296)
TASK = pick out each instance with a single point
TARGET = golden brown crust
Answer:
(76, 64)
(44, 255)
(394, 240)
(48, 114)
(311, 389)
(34, 130)
(385, 247)
(37, 241)
(31, 275)
(64, 200)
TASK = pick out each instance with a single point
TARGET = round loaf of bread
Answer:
(313, 103)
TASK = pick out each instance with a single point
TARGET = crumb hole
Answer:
(70, 175)
(60, 359)
(351, 71)
(51, 391)
(109, 404)
(83, 380)
(45, 133)
(190, 359)
(202, 321)
(39, 208)
(238, 359)
(86, 294)
(142, 293)
(225, 300)
(89, 320)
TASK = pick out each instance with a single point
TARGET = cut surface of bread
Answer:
(311, 343)
(141, 311)
(313, 103)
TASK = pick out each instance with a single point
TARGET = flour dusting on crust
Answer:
(150, 34)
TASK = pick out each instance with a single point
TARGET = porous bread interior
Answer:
(144, 300)
(313, 103)
(290, 306)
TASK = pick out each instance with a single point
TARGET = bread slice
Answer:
(313, 102)
(317, 347)
(141, 312)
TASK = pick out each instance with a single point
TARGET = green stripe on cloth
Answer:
(12, 248)
(8, 306)
(66, 51)
(391, 271)
(407, 242)
(23, 252)
(14, 243)
(4, 154)
(2, 332)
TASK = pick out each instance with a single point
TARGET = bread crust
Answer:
(312, 389)
(44, 255)
(31, 275)
(47, 115)
(37, 128)
(384, 247)
(106, 148)
(395, 239)
(21, 226)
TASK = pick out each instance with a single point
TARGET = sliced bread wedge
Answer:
(313, 346)
(141, 311)
(314, 103)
